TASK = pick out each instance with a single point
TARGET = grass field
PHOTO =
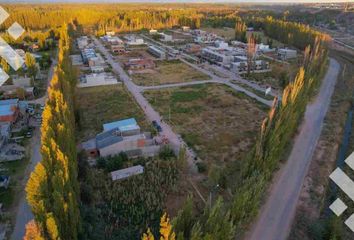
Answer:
(225, 32)
(99, 105)
(219, 124)
(167, 72)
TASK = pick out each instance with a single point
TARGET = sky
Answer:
(192, 1)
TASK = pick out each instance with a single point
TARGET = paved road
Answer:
(174, 139)
(276, 216)
(24, 213)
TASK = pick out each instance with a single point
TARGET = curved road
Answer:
(276, 216)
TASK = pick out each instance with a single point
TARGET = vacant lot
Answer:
(99, 105)
(225, 32)
(218, 123)
(168, 72)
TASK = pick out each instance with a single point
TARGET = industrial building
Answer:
(157, 52)
(97, 79)
(286, 53)
(121, 136)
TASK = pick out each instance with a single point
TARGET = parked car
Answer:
(157, 126)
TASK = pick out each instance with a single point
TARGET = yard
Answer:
(218, 123)
(99, 105)
(168, 72)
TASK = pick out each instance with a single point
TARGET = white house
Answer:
(97, 79)
(286, 53)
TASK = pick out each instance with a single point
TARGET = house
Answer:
(127, 172)
(192, 48)
(9, 110)
(165, 37)
(286, 53)
(34, 47)
(157, 52)
(12, 91)
(82, 42)
(97, 69)
(110, 33)
(186, 28)
(139, 64)
(257, 66)
(153, 32)
(118, 48)
(21, 81)
(133, 40)
(121, 136)
(97, 79)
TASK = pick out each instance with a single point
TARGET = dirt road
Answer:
(276, 216)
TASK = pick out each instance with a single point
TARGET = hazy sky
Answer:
(194, 1)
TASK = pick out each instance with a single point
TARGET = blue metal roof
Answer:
(6, 106)
(123, 125)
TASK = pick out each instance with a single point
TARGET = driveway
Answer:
(276, 216)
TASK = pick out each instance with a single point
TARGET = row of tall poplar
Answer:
(53, 189)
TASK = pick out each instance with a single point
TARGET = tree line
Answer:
(52, 189)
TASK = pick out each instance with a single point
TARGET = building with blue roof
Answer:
(126, 127)
(9, 110)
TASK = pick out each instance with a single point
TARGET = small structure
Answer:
(21, 81)
(9, 110)
(5, 133)
(153, 32)
(139, 64)
(97, 79)
(157, 52)
(110, 33)
(76, 60)
(186, 28)
(118, 48)
(4, 181)
(286, 53)
(34, 47)
(165, 37)
(133, 40)
(127, 172)
(82, 42)
(193, 48)
(97, 69)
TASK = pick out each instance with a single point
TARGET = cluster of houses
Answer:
(96, 64)
(122, 136)
(119, 46)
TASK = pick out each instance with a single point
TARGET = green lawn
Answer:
(99, 105)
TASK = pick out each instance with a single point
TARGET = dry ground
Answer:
(215, 121)
(168, 72)
(99, 105)
(225, 32)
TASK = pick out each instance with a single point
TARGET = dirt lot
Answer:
(218, 123)
(99, 105)
(167, 72)
(227, 33)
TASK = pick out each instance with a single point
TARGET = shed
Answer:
(127, 172)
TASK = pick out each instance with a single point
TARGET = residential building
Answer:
(165, 37)
(139, 64)
(97, 79)
(97, 69)
(21, 81)
(153, 32)
(112, 40)
(110, 33)
(186, 28)
(12, 91)
(257, 66)
(192, 48)
(82, 42)
(118, 48)
(9, 110)
(127, 172)
(157, 52)
(215, 56)
(286, 53)
(133, 40)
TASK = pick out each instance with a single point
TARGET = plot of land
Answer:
(225, 32)
(218, 123)
(168, 72)
(99, 105)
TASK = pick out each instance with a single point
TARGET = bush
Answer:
(202, 167)
(166, 153)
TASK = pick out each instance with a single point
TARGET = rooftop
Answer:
(123, 125)
(127, 172)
